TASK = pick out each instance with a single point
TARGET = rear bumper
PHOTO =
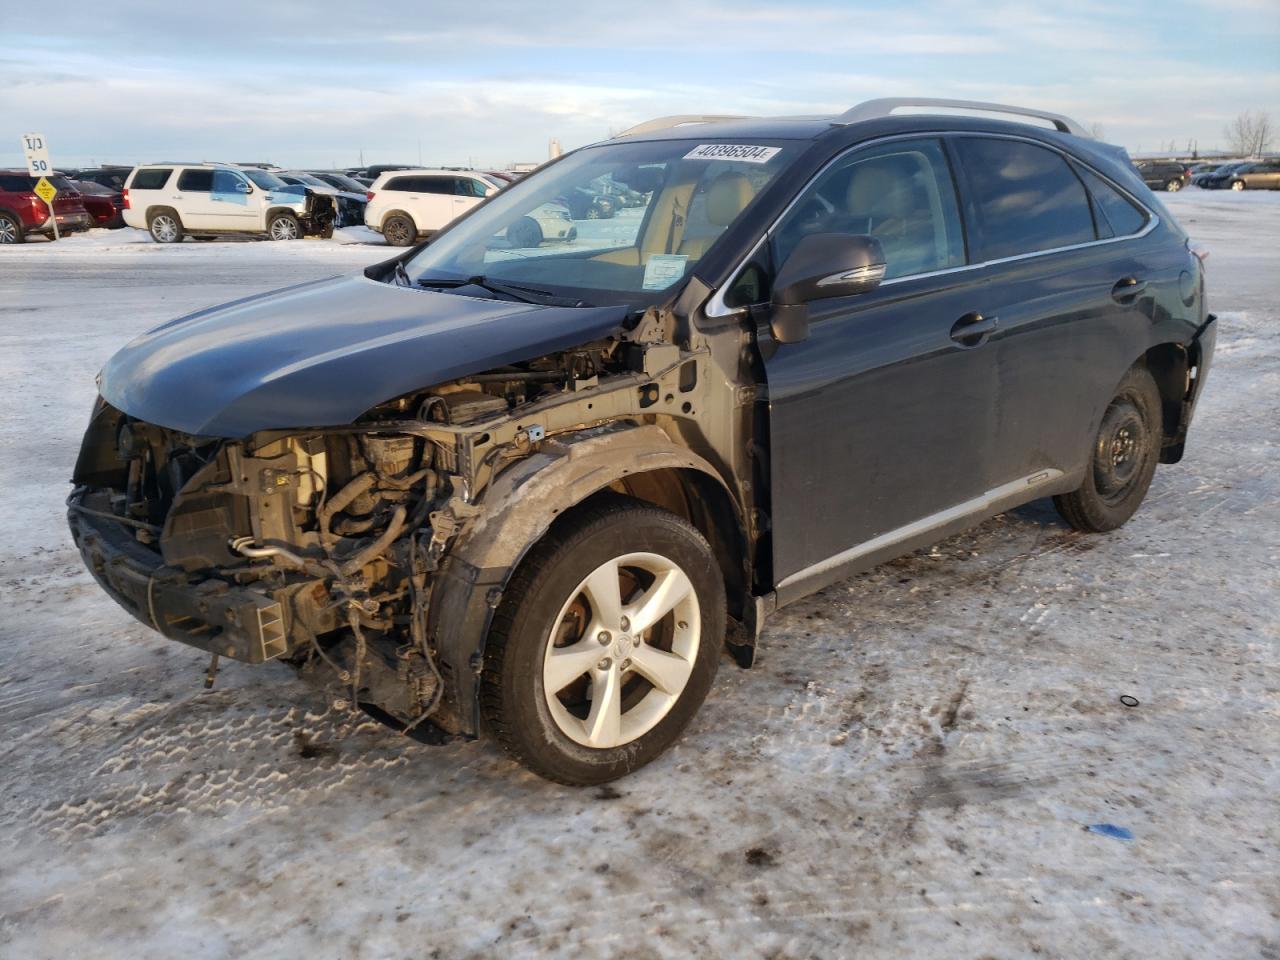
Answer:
(211, 615)
(67, 223)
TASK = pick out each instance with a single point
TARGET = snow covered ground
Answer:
(909, 771)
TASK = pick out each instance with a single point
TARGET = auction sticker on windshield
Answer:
(743, 152)
(663, 269)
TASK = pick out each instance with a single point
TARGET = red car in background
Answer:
(22, 213)
(105, 205)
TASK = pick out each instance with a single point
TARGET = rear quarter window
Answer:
(150, 179)
(1117, 216)
(15, 183)
(1027, 198)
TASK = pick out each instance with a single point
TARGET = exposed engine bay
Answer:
(319, 548)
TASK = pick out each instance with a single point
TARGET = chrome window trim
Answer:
(717, 308)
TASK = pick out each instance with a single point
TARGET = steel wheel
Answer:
(164, 227)
(10, 231)
(284, 227)
(622, 650)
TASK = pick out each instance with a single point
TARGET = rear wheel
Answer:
(284, 226)
(1237, 185)
(11, 229)
(606, 643)
(1124, 457)
(399, 230)
(165, 227)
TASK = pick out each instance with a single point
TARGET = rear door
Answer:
(194, 199)
(882, 418)
(432, 199)
(1073, 297)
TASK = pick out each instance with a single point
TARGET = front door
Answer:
(881, 421)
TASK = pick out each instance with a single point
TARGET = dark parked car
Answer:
(23, 213)
(1255, 175)
(112, 177)
(351, 203)
(1163, 174)
(586, 204)
(369, 174)
(103, 204)
(539, 493)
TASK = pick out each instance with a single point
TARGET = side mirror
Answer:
(822, 266)
(243, 187)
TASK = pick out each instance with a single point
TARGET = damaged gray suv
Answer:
(537, 491)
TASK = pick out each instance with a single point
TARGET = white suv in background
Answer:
(407, 204)
(171, 200)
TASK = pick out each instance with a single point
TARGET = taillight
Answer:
(124, 194)
(368, 196)
(1198, 250)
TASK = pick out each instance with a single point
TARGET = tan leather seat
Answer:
(727, 196)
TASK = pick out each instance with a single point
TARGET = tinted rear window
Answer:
(150, 179)
(1028, 198)
(15, 183)
(199, 181)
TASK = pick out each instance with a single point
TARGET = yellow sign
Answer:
(45, 190)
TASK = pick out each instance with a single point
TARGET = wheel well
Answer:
(273, 212)
(1170, 367)
(399, 213)
(703, 502)
(161, 208)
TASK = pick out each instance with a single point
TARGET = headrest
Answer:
(727, 197)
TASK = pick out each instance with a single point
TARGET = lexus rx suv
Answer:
(537, 493)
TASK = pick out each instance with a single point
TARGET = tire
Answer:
(327, 232)
(165, 226)
(549, 606)
(593, 212)
(1173, 186)
(11, 230)
(399, 230)
(525, 232)
(1237, 185)
(284, 226)
(1122, 460)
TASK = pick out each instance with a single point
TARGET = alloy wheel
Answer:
(164, 228)
(284, 228)
(8, 231)
(621, 650)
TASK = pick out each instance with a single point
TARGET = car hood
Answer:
(324, 352)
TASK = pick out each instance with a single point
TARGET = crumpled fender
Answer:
(516, 511)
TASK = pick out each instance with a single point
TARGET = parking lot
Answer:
(910, 770)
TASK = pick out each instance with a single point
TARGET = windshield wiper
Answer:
(514, 290)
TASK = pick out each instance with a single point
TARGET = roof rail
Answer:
(873, 109)
(679, 120)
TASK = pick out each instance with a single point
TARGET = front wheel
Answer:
(1124, 457)
(1173, 186)
(284, 226)
(605, 644)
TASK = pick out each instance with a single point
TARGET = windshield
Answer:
(267, 181)
(344, 183)
(308, 179)
(616, 223)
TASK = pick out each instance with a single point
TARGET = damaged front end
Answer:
(305, 548)
(321, 547)
(320, 214)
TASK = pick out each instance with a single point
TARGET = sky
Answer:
(328, 84)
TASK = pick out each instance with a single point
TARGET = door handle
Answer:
(1127, 290)
(972, 329)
